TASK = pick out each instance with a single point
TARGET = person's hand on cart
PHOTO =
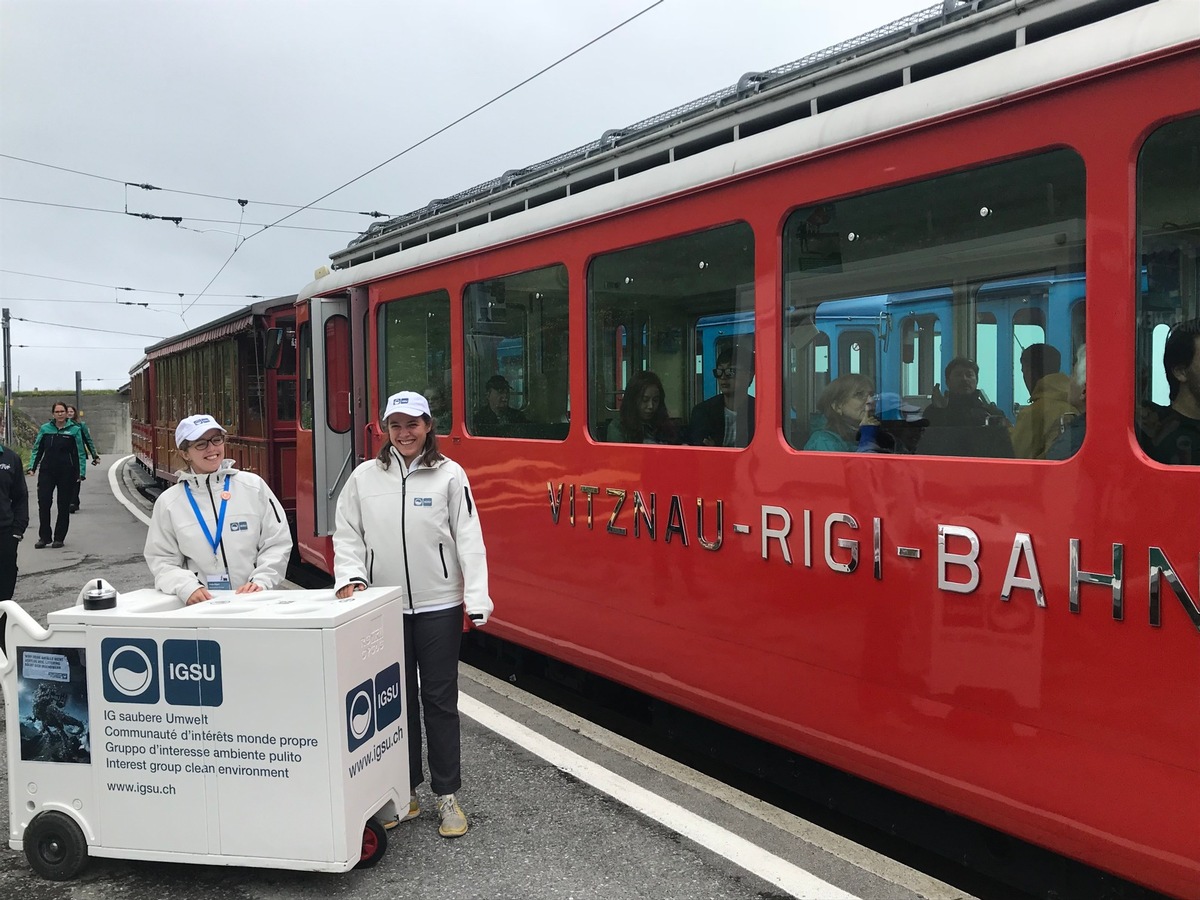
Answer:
(199, 595)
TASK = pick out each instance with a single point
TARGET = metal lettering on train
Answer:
(958, 547)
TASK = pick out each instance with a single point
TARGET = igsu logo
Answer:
(130, 668)
(188, 674)
(192, 673)
(373, 705)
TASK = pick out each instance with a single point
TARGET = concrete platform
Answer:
(559, 808)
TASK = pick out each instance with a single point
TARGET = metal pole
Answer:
(8, 416)
(78, 390)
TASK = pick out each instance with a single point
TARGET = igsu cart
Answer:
(260, 729)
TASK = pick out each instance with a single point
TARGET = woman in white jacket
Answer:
(407, 518)
(216, 528)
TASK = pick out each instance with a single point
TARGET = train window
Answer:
(1168, 316)
(923, 298)
(252, 376)
(337, 374)
(516, 348)
(414, 351)
(669, 324)
(306, 376)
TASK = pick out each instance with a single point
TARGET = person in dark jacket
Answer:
(726, 419)
(962, 421)
(57, 458)
(1171, 434)
(89, 448)
(14, 518)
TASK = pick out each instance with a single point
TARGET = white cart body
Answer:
(252, 730)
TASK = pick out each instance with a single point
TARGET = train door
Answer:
(333, 434)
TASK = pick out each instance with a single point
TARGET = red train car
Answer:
(1014, 634)
(241, 369)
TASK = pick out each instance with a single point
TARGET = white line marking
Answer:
(115, 484)
(779, 872)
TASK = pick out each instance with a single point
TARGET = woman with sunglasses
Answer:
(215, 529)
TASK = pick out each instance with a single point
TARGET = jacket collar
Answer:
(196, 481)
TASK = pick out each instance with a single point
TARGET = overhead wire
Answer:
(467, 115)
(150, 187)
(115, 287)
(178, 220)
(436, 133)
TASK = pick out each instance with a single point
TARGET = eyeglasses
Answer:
(725, 372)
(204, 445)
(861, 394)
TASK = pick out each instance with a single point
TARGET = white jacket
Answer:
(255, 540)
(419, 531)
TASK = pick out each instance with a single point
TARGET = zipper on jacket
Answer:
(403, 531)
(442, 554)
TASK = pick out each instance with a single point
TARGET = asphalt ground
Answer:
(559, 808)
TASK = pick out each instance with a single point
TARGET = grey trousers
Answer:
(431, 644)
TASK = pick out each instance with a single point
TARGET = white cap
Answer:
(408, 402)
(194, 427)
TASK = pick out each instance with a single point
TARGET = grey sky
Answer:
(282, 100)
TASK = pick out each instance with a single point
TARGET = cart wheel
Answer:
(374, 843)
(55, 846)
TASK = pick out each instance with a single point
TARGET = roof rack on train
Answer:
(936, 39)
(240, 320)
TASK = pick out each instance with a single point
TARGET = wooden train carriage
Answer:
(241, 369)
(1013, 639)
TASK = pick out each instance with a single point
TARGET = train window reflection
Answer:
(671, 341)
(516, 348)
(930, 295)
(1168, 315)
(414, 351)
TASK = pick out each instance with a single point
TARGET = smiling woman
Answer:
(436, 556)
(217, 528)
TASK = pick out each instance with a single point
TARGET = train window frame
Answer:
(867, 261)
(1166, 349)
(336, 337)
(516, 342)
(659, 315)
(422, 364)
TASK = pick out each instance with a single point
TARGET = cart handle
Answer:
(17, 617)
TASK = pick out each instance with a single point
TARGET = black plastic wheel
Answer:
(55, 846)
(374, 843)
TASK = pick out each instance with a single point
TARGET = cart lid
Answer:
(265, 609)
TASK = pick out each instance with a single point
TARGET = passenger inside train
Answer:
(727, 418)
(496, 411)
(849, 424)
(963, 421)
(644, 418)
(1067, 444)
(1050, 406)
(1171, 434)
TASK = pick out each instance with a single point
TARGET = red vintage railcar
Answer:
(1012, 634)
(241, 369)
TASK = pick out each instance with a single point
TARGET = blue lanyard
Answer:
(215, 542)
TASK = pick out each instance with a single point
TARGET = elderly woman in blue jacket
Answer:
(408, 518)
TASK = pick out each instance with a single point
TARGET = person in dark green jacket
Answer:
(76, 416)
(58, 458)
